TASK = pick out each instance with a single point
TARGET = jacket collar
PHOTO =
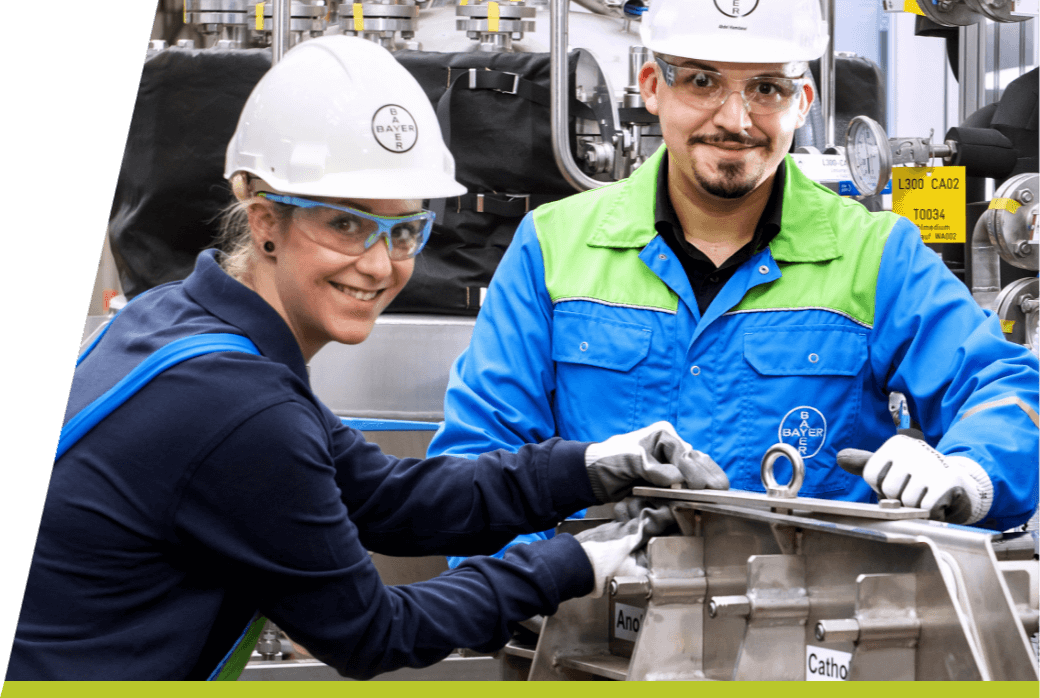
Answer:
(806, 231)
(242, 308)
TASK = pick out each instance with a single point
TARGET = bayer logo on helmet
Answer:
(804, 428)
(736, 8)
(394, 128)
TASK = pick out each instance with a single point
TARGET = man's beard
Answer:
(733, 180)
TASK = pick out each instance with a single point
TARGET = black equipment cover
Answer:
(859, 90)
(495, 118)
(171, 188)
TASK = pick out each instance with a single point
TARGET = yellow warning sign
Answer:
(911, 6)
(1007, 326)
(933, 199)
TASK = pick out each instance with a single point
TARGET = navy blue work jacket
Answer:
(225, 487)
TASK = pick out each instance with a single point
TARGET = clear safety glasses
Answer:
(706, 89)
(351, 232)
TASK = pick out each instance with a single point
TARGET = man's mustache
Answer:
(718, 138)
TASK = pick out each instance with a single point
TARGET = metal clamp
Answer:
(501, 206)
(774, 489)
(511, 91)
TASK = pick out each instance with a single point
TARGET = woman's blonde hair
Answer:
(235, 236)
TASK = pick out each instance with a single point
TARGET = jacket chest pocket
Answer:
(802, 387)
(597, 376)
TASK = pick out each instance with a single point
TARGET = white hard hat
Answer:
(736, 31)
(339, 117)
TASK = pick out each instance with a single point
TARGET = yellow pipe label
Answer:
(911, 6)
(359, 19)
(492, 16)
(1009, 205)
(185, 11)
(259, 16)
(463, 2)
(934, 200)
(1007, 326)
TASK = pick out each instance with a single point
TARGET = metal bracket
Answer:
(777, 604)
(885, 628)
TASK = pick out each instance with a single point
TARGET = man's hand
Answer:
(654, 455)
(615, 549)
(951, 488)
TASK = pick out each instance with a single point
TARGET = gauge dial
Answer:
(869, 155)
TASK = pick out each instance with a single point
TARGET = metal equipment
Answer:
(380, 21)
(1008, 230)
(959, 13)
(998, 10)
(950, 13)
(779, 587)
(871, 154)
(240, 23)
(495, 24)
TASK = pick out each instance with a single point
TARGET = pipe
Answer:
(827, 78)
(558, 93)
(280, 18)
(600, 8)
(985, 265)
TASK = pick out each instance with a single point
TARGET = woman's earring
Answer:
(268, 246)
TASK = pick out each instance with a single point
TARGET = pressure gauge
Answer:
(869, 155)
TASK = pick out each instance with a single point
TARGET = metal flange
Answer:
(495, 18)
(222, 12)
(302, 17)
(505, 11)
(1012, 221)
(379, 17)
(1016, 306)
(997, 10)
(949, 13)
(505, 26)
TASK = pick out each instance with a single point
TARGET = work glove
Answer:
(654, 455)
(952, 488)
(615, 549)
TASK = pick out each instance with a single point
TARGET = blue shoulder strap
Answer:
(170, 355)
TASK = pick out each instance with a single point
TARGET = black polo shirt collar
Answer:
(705, 278)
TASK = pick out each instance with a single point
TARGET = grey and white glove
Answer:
(654, 455)
(615, 549)
(952, 488)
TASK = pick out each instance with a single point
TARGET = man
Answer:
(719, 289)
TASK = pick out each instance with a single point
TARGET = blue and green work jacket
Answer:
(590, 328)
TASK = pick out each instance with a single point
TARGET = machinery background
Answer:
(770, 583)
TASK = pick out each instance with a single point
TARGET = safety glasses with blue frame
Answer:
(350, 231)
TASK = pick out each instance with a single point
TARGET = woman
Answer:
(223, 490)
